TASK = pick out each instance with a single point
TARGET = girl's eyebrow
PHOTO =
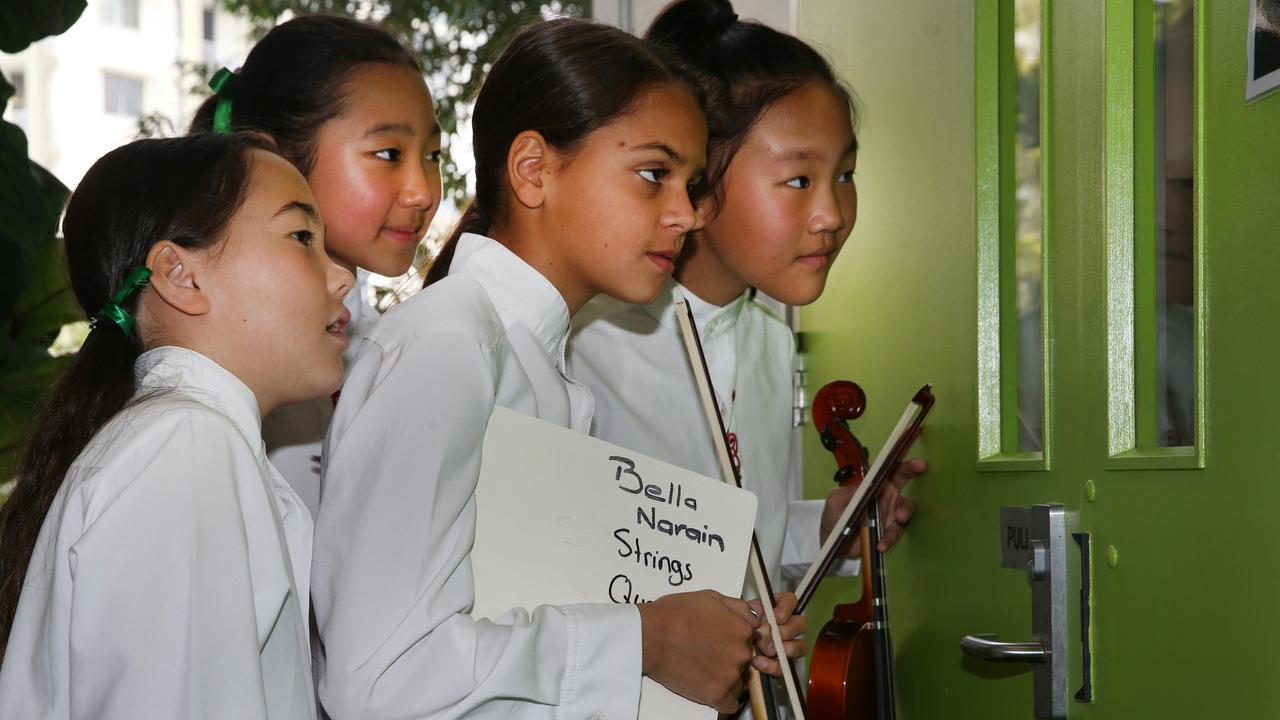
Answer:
(305, 208)
(399, 128)
(670, 152)
(662, 148)
(810, 153)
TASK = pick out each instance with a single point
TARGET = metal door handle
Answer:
(987, 647)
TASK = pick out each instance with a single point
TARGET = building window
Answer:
(208, 24)
(19, 99)
(16, 111)
(123, 95)
(121, 13)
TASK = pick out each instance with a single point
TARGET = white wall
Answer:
(65, 119)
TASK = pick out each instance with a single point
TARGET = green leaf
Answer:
(26, 385)
(30, 202)
(47, 303)
(22, 22)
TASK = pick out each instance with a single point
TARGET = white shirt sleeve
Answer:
(392, 581)
(162, 606)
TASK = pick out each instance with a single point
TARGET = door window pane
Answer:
(1174, 46)
(1028, 224)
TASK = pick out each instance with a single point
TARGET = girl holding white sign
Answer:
(587, 145)
(781, 204)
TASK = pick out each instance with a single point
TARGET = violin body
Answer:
(840, 685)
(848, 645)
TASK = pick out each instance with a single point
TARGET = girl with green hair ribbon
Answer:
(155, 564)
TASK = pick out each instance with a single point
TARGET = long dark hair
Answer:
(184, 190)
(564, 79)
(752, 64)
(295, 80)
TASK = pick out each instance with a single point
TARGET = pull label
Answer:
(1015, 537)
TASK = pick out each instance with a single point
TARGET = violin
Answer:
(852, 672)
(839, 679)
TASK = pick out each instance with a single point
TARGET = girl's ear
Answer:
(527, 164)
(175, 278)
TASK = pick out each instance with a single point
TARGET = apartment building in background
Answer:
(82, 93)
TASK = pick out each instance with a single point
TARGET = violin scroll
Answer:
(833, 407)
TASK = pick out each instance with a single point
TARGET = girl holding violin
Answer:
(781, 203)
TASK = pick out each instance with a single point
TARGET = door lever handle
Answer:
(987, 647)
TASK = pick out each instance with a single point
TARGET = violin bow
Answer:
(760, 576)
(887, 461)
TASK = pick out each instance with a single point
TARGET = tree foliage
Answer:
(35, 299)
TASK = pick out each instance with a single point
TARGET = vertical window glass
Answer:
(1027, 223)
(1164, 223)
(122, 95)
(208, 24)
(1175, 221)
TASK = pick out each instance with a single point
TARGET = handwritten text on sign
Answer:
(563, 518)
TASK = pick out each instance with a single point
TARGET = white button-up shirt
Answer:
(392, 575)
(170, 576)
(633, 359)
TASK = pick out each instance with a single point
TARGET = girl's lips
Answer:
(817, 261)
(339, 326)
(666, 261)
(404, 234)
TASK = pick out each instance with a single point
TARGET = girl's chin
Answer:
(795, 294)
(387, 261)
(637, 294)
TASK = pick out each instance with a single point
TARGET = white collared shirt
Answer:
(295, 432)
(392, 575)
(170, 575)
(634, 362)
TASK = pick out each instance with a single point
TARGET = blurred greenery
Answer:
(35, 300)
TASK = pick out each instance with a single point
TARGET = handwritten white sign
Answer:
(564, 518)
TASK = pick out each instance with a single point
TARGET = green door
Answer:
(1081, 256)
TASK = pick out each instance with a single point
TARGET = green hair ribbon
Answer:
(113, 312)
(223, 84)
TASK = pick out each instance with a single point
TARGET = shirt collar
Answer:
(205, 381)
(519, 293)
(712, 320)
(358, 300)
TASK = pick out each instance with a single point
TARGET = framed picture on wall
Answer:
(1264, 48)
